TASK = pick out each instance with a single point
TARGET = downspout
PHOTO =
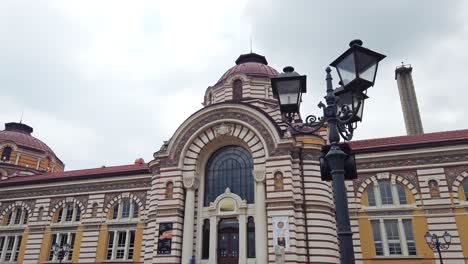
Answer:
(304, 211)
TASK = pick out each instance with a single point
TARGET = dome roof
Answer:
(20, 134)
(250, 64)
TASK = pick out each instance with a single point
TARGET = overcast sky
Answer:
(105, 82)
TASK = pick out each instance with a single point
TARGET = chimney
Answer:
(409, 101)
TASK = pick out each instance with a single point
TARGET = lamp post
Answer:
(357, 69)
(434, 242)
(61, 251)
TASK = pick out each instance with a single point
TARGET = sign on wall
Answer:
(281, 231)
(165, 239)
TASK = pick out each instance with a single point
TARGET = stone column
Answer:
(242, 239)
(190, 184)
(213, 239)
(261, 223)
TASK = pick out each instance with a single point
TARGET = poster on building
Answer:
(165, 239)
(281, 231)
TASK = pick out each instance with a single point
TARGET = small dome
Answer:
(250, 64)
(20, 134)
(22, 154)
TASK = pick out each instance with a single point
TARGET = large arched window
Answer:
(6, 153)
(386, 193)
(229, 167)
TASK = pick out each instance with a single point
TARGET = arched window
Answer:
(169, 190)
(94, 210)
(125, 209)
(6, 153)
(229, 167)
(237, 90)
(465, 188)
(434, 189)
(39, 214)
(279, 184)
(386, 193)
(17, 216)
(69, 213)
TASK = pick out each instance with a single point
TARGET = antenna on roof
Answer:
(21, 119)
(250, 43)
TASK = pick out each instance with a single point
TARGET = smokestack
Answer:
(409, 101)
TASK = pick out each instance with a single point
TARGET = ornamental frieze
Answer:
(452, 173)
(408, 175)
(84, 188)
(411, 161)
(216, 116)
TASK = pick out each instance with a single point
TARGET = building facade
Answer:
(234, 185)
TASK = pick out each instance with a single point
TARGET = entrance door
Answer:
(228, 241)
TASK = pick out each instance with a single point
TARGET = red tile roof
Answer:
(428, 140)
(77, 174)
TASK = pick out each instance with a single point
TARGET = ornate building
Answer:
(231, 185)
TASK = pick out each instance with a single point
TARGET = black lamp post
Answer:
(357, 68)
(434, 242)
(61, 251)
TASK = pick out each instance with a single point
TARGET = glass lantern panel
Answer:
(347, 69)
(289, 91)
(366, 66)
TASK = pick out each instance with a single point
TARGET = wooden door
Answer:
(228, 241)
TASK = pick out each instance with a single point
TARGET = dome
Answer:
(20, 134)
(250, 64)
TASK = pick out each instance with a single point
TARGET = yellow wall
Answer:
(77, 244)
(138, 241)
(461, 219)
(102, 244)
(43, 256)
(22, 249)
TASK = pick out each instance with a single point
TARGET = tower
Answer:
(409, 102)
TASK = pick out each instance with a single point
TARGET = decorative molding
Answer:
(452, 173)
(223, 129)
(411, 161)
(84, 188)
(216, 116)
(259, 174)
(190, 180)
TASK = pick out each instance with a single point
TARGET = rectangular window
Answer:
(371, 195)
(408, 227)
(393, 237)
(9, 248)
(18, 245)
(125, 208)
(59, 215)
(61, 239)
(17, 216)
(121, 245)
(401, 194)
(110, 245)
(386, 192)
(69, 215)
(377, 238)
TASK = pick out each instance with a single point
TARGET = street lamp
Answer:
(357, 69)
(61, 251)
(433, 242)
